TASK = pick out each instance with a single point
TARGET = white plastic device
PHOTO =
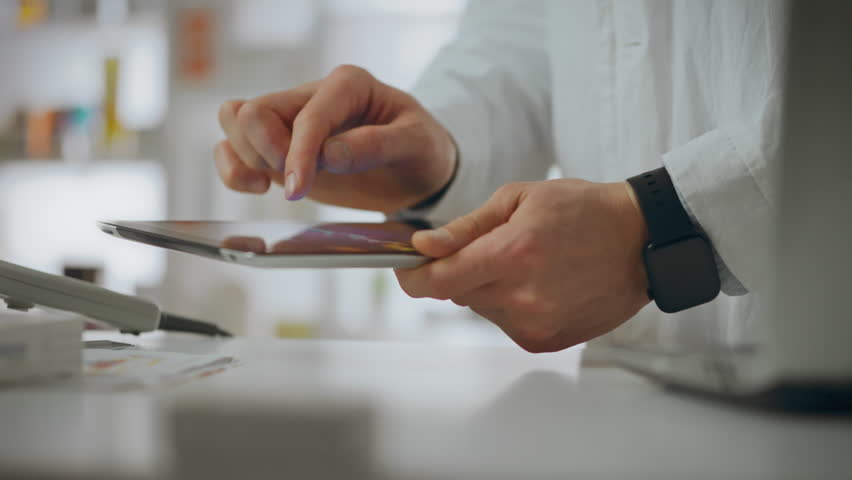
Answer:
(23, 288)
(39, 344)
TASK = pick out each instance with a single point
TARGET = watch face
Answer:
(682, 274)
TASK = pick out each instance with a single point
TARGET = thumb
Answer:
(450, 238)
(367, 147)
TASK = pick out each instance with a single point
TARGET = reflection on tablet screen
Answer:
(295, 238)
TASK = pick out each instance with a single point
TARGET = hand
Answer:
(552, 263)
(346, 140)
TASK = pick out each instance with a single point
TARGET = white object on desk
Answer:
(31, 287)
(39, 345)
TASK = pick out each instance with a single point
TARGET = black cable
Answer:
(177, 323)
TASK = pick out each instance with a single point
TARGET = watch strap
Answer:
(665, 216)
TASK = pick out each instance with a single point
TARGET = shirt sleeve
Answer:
(724, 178)
(490, 88)
(729, 283)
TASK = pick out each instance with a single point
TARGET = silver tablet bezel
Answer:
(338, 260)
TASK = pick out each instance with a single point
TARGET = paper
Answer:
(134, 369)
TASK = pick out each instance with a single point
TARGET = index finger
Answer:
(287, 104)
(342, 96)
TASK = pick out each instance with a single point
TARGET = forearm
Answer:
(490, 89)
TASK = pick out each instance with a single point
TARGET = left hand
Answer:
(552, 263)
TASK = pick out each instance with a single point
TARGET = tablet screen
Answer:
(282, 238)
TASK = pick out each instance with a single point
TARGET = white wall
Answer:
(260, 46)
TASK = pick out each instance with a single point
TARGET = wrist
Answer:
(448, 156)
(634, 233)
(678, 258)
(637, 211)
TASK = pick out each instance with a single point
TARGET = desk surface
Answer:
(437, 412)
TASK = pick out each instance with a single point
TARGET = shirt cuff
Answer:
(730, 284)
(715, 181)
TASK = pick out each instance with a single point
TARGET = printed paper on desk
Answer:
(134, 369)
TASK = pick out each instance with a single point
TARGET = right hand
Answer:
(346, 140)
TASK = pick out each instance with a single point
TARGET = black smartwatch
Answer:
(678, 257)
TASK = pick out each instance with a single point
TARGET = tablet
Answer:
(282, 244)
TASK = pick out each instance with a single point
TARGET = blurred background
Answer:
(108, 110)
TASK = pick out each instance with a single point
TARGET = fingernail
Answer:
(440, 235)
(338, 158)
(290, 186)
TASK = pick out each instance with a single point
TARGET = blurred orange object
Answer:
(40, 126)
(196, 43)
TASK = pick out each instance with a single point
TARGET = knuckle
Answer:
(229, 179)
(266, 132)
(424, 282)
(246, 115)
(408, 283)
(507, 195)
(439, 291)
(231, 182)
(525, 250)
(435, 286)
(306, 120)
(225, 173)
(507, 189)
(502, 191)
(371, 137)
(220, 149)
(535, 338)
(469, 225)
(223, 115)
(227, 112)
(535, 346)
(407, 288)
(530, 302)
(222, 158)
(493, 266)
(461, 302)
(349, 72)
(523, 301)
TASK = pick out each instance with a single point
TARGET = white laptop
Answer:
(803, 359)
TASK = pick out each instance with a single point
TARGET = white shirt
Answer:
(608, 89)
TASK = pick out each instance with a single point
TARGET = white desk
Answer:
(438, 412)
